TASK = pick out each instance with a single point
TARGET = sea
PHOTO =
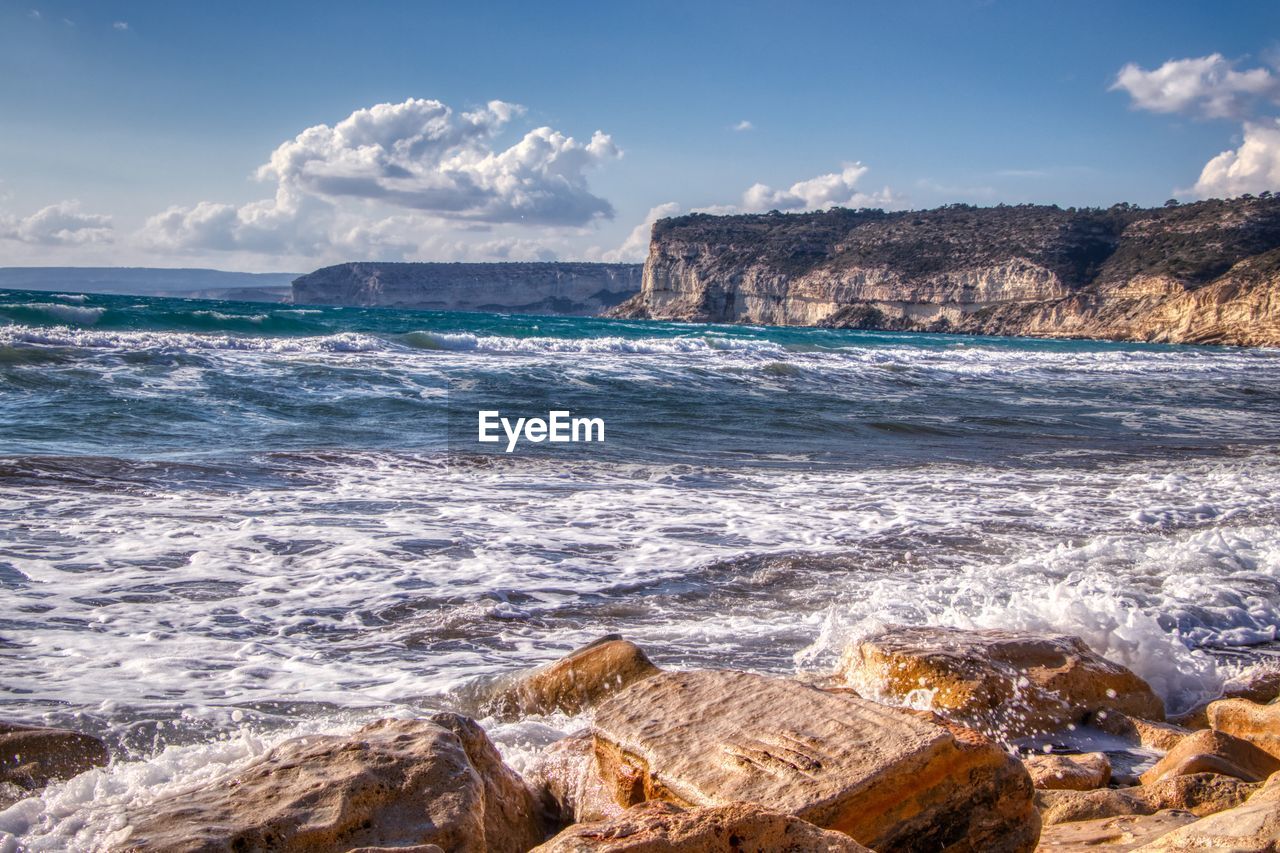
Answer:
(226, 523)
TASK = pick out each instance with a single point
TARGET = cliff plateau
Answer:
(1207, 272)
(529, 288)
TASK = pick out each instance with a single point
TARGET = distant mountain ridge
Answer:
(152, 281)
(1207, 272)
(573, 288)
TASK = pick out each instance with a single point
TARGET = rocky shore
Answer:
(736, 761)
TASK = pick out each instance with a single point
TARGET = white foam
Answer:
(60, 312)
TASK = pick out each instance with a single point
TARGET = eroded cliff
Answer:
(529, 288)
(1207, 272)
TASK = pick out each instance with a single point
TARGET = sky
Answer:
(283, 136)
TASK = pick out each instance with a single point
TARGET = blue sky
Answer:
(136, 132)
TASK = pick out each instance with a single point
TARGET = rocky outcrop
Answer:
(1253, 827)
(576, 681)
(567, 776)
(526, 288)
(1208, 751)
(1005, 684)
(657, 827)
(392, 784)
(1201, 794)
(1111, 834)
(1145, 733)
(891, 779)
(33, 756)
(1207, 272)
(1258, 724)
(1069, 772)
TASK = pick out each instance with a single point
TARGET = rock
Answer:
(1253, 827)
(1114, 834)
(1069, 772)
(528, 288)
(1259, 684)
(567, 777)
(1208, 751)
(392, 784)
(1200, 793)
(658, 827)
(1004, 684)
(1258, 724)
(1122, 274)
(1147, 733)
(889, 778)
(576, 681)
(33, 756)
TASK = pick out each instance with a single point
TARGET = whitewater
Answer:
(223, 524)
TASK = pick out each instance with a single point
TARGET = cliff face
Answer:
(1199, 273)
(530, 288)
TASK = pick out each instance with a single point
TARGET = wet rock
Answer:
(33, 756)
(1113, 834)
(1147, 733)
(1002, 683)
(392, 784)
(1208, 751)
(1201, 794)
(566, 776)
(1069, 772)
(1253, 827)
(658, 827)
(1258, 724)
(576, 681)
(891, 779)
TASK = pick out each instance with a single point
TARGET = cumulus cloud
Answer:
(1251, 168)
(1210, 86)
(120, 25)
(61, 224)
(744, 125)
(835, 189)
(334, 184)
(636, 247)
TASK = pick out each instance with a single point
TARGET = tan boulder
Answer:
(658, 827)
(1005, 684)
(889, 778)
(1207, 751)
(1069, 772)
(33, 756)
(1201, 794)
(392, 784)
(576, 681)
(1253, 827)
(566, 776)
(1147, 733)
(1258, 685)
(1112, 834)
(1258, 724)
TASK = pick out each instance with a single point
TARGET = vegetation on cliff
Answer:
(1011, 269)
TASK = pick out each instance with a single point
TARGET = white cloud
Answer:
(1251, 168)
(636, 247)
(744, 125)
(387, 176)
(1207, 85)
(836, 189)
(120, 25)
(34, 15)
(60, 224)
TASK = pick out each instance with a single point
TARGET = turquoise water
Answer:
(223, 522)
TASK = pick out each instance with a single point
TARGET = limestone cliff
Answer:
(530, 288)
(1207, 272)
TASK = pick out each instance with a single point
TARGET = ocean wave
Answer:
(470, 342)
(40, 311)
(65, 336)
